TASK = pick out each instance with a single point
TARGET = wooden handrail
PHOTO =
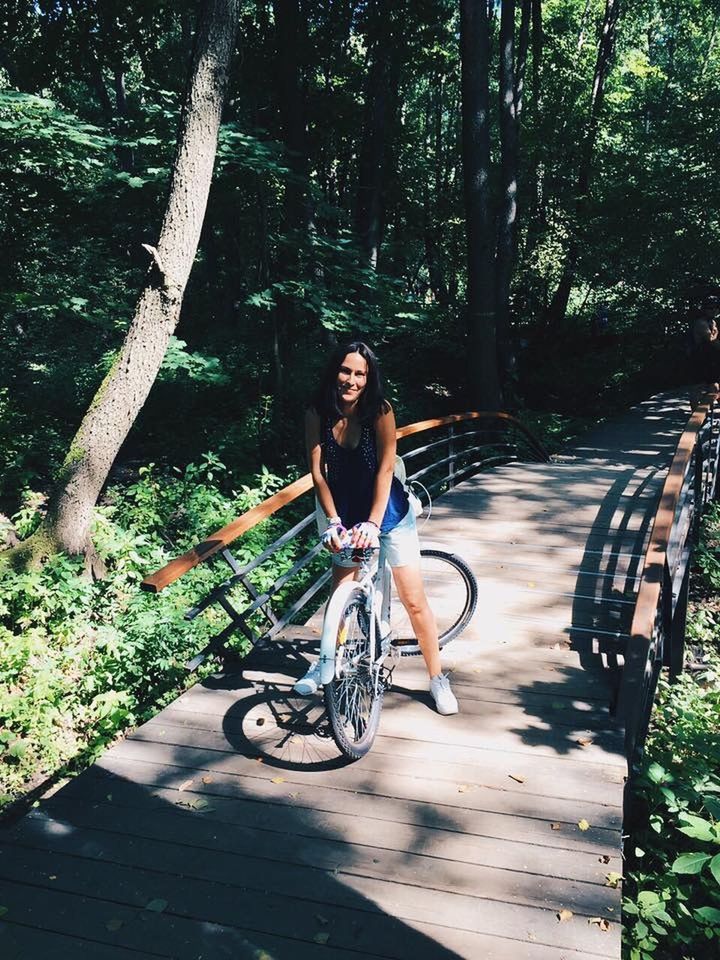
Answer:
(651, 581)
(217, 541)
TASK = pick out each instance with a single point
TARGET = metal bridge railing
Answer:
(261, 605)
(657, 634)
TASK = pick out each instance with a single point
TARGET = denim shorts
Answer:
(400, 546)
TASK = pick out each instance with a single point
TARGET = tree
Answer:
(380, 105)
(475, 55)
(606, 48)
(124, 390)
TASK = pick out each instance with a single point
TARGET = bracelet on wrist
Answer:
(376, 525)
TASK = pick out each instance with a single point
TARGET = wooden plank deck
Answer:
(228, 827)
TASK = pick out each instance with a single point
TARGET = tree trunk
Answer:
(290, 44)
(606, 47)
(380, 99)
(475, 57)
(126, 155)
(126, 386)
(509, 153)
(538, 174)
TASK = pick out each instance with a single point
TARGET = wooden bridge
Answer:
(228, 827)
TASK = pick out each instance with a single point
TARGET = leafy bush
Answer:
(674, 907)
(82, 660)
(672, 902)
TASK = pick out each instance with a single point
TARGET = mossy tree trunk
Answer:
(124, 390)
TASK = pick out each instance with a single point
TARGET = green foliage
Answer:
(672, 902)
(80, 660)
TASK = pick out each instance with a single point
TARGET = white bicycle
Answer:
(364, 625)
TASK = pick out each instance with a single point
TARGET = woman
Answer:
(350, 437)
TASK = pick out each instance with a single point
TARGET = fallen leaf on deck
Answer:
(605, 858)
(564, 915)
(601, 922)
(109, 797)
(3, 911)
(516, 778)
(278, 780)
(558, 704)
(320, 919)
(156, 906)
(531, 583)
(321, 938)
(463, 788)
(113, 925)
(613, 879)
(259, 760)
(207, 779)
(293, 796)
(554, 826)
(584, 741)
(583, 824)
(185, 785)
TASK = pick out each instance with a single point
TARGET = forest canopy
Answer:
(339, 204)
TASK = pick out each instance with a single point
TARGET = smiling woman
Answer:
(351, 447)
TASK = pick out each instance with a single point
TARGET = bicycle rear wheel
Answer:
(354, 697)
(452, 592)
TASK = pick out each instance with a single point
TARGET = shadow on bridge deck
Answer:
(227, 826)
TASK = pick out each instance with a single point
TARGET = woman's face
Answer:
(351, 379)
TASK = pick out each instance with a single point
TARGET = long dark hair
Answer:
(371, 402)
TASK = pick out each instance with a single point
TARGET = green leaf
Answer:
(690, 863)
(715, 867)
(708, 914)
(156, 906)
(697, 828)
(656, 773)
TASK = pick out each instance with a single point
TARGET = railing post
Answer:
(451, 454)
(713, 455)
(676, 656)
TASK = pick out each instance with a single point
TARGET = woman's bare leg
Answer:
(410, 588)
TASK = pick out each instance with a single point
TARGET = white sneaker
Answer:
(310, 683)
(444, 698)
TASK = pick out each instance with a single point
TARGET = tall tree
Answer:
(603, 63)
(380, 102)
(511, 87)
(125, 388)
(475, 56)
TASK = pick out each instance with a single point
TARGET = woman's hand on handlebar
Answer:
(364, 535)
(335, 538)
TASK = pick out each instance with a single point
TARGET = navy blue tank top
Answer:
(351, 473)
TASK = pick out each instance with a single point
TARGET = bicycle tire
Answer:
(352, 699)
(452, 591)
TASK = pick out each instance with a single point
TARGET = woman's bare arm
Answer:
(386, 444)
(314, 456)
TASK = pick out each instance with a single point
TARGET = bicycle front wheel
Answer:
(354, 697)
(452, 593)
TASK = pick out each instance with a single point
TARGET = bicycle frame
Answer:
(375, 584)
